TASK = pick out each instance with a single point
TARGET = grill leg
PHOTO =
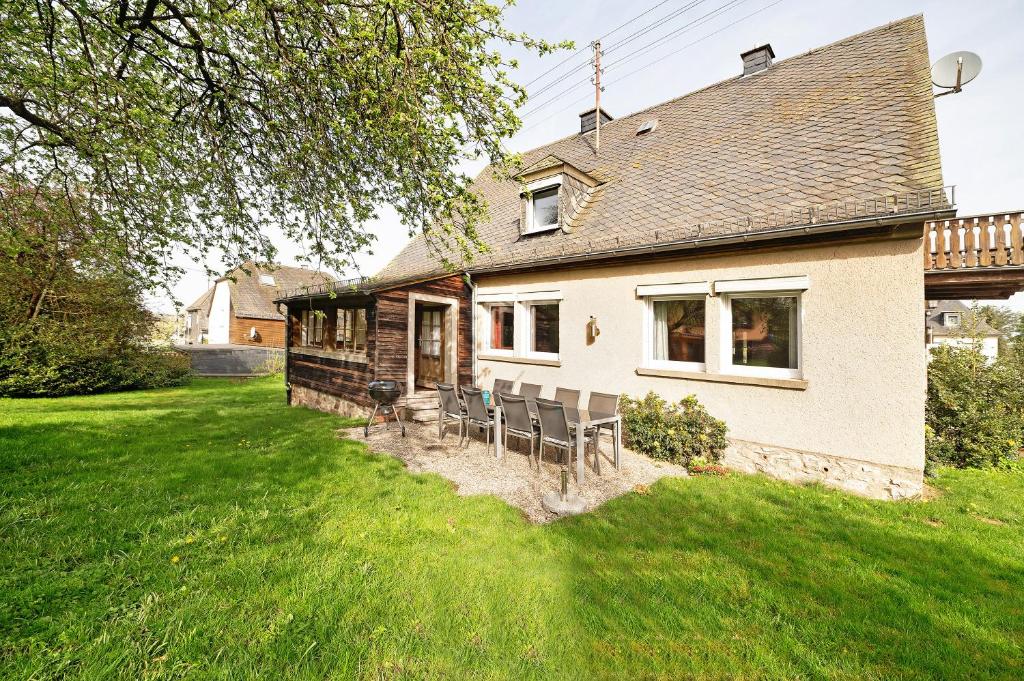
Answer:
(366, 430)
(398, 417)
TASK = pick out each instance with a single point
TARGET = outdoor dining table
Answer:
(580, 420)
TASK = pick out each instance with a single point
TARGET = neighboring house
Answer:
(757, 243)
(239, 308)
(950, 322)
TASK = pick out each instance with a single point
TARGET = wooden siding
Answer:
(393, 321)
(270, 332)
(386, 341)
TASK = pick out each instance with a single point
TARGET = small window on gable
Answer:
(267, 279)
(541, 205)
(952, 319)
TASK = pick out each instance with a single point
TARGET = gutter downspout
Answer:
(472, 326)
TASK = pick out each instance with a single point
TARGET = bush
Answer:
(975, 409)
(46, 359)
(672, 432)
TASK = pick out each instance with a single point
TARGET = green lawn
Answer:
(210, 531)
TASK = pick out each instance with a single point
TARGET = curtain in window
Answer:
(660, 330)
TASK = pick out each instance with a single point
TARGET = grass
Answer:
(210, 531)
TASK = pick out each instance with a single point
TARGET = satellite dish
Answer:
(955, 70)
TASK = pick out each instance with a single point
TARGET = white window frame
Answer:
(649, 362)
(527, 316)
(522, 326)
(539, 186)
(948, 322)
(488, 306)
(725, 330)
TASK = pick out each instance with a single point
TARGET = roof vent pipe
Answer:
(757, 59)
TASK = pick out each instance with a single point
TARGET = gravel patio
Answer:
(474, 470)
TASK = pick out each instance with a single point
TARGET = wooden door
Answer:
(430, 344)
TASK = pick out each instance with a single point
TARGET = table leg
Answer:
(497, 433)
(580, 454)
(617, 430)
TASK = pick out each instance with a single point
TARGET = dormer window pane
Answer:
(545, 208)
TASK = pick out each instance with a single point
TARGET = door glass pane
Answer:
(679, 330)
(360, 329)
(502, 327)
(545, 327)
(764, 332)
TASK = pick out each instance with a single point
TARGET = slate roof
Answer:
(255, 300)
(934, 320)
(853, 119)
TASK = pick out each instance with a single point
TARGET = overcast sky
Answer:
(979, 131)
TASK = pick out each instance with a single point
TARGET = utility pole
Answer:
(597, 94)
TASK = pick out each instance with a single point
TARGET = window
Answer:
(543, 318)
(350, 332)
(764, 334)
(541, 207)
(952, 319)
(311, 332)
(677, 333)
(312, 328)
(502, 336)
(545, 209)
(267, 279)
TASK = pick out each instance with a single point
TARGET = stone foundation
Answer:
(874, 480)
(321, 401)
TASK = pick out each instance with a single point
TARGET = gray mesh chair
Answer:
(602, 403)
(477, 414)
(449, 409)
(529, 390)
(518, 423)
(554, 429)
(501, 386)
(568, 397)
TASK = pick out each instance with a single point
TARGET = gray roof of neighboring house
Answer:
(934, 320)
(254, 300)
(853, 119)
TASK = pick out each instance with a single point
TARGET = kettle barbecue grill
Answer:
(384, 394)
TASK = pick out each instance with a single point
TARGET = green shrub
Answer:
(47, 359)
(672, 432)
(975, 408)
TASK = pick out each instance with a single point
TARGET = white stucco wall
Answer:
(220, 314)
(862, 327)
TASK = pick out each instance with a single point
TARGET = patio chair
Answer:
(529, 390)
(602, 403)
(554, 429)
(568, 397)
(449, 409)
(478, 414)
(500, 386)
(518, 423)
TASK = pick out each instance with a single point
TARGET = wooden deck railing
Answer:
(974, 241)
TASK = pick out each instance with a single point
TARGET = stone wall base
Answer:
(321, 401)
(877, 481)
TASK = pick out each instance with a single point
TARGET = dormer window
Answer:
(952, 319)
(542, 205)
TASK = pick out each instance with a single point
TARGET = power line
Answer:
(582, 49)
(653, 25)
(699, 21)
(651, 63)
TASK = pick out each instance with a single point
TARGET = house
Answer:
(239, 308)
(950, 322)
(757, 243)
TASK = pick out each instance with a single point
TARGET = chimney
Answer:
(588, 120)
(757, 59)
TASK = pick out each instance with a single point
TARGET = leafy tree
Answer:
(198, 125)
(70, 320)
(1002, 319)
